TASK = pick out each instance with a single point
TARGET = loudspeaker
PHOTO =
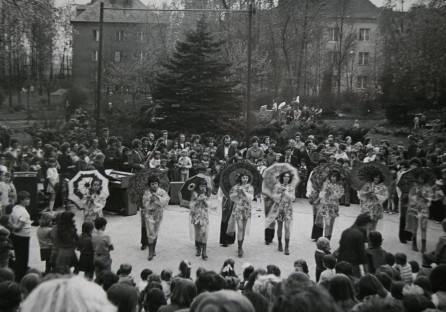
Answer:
(175, 188)
(27, 181)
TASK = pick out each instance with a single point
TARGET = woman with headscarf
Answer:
(282, 211)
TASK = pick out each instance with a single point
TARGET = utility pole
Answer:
(248, 82)
(99, 82)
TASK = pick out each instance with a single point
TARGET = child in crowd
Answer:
(52, 177)
(12, 192)
(415, 267)
(404, 268)
(323, 248)
(329, 264)
(184, 164)
(85, 247)
(155, 162)
(144, 277)
(375, 254)
(45, 240)
(166, 280)
(426, 265)
(102, 246)
(6, 248)
(248, 269)
(4, 190)
(124, 272)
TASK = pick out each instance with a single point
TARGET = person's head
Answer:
(145, 273)
(184, 293)
(285, 177)
(123, 296)
(375, 239)
(259, 302)
(68, 294)
(220, 301)
(377, 177)
(154, 299)
(329, 261)
(185, 268)
(414, 163)
(267, 286)
(87, 227)
(166, 275)
(379, 304)
(247, 272)
(210, 281)
(288, 149)
(415, 267)
(136, 144)
(46, 219)
(100, 223)
(385, 279)
(23, 198)
(254, 141)
(438, 278)
(273, 269)
(226, 140)
(165, 134)
(29, 282)
(369, 285)
(417, 303)
(6, 274)
(425, 284)
(144, 141)
(301, 266)
(10, 296)
(243, 178)
(153, 183)
(401, 258)
(312, 299)
(228, 268)
(125, 269)
(96, 185)
(390, 259)
(334, 176)
(363, 221)
(99, 157)
(341, 288)
(344, 267)
(323, 244)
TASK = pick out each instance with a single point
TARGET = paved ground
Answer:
(175, 245)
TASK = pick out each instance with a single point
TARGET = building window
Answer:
(364, 34)
(120, 35)
(94, 55)
(140, 36)
(334, 57)
(363, 58)
(118, 56)
(333, 34)
(94, 75)
(362, 82)
(95, 35)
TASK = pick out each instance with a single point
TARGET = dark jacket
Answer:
(293, 160)
(352, 246)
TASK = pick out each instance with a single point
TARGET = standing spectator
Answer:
(323, 248)
(66, 237)
(352, 246)
(440, 249)
(52, 177)
(45, 241)
(20, 222)
(85, 247)
(102, 246)
(103, 140)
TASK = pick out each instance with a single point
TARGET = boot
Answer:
(414, 243)
(150, 252)
(287, 244)
(198, 246)
(240, 248)
(154, 246)
(204, 256)
(267, 239)
(280, 248)
(423, 246)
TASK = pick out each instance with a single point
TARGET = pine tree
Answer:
(196, 92)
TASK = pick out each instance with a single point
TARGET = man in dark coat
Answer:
(352, 244)
(289, 158)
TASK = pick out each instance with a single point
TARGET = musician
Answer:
(154, 200)
(136, 158)
(151, 138)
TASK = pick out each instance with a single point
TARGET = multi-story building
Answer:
(353, 44)
(127, 37)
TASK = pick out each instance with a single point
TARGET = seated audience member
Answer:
(417, 303)
(313, 299)
(329, 264)
(440, 250)
(182, 295)
(210, 281)
(266, 285)
(375, 254)
(123, 296)
(342, 292)
(68, 294)
(438, 281)
(369, 286)
(222, 300)
(403, 267)
(379, 304)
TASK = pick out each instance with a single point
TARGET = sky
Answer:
(407, 3)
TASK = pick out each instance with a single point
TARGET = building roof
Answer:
(92, 10)
(354, 9)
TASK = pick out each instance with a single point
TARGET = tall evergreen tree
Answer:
(195, 91)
